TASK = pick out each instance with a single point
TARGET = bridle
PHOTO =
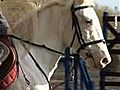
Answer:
(77, 33)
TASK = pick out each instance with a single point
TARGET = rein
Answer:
(37, 65)
(37, 45)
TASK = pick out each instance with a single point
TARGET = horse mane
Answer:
(24, 26)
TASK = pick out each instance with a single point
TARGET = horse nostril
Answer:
(105, 60)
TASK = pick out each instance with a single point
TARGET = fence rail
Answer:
(110, 43)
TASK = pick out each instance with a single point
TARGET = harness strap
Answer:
(82, 7)
(24, 75)
(37, 65)
(90, 43)
(73, 39)
(75, 24)
(37, 45)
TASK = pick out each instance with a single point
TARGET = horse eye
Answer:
(89, 21)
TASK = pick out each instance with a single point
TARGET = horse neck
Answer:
(54, 30)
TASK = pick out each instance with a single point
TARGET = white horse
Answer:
(49, 22)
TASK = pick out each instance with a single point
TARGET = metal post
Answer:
(102, 79)
(76, 57)
(86, 78)
(67, 63)
(105, 28)
(116, 20)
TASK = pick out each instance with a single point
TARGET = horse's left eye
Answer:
(89, 21)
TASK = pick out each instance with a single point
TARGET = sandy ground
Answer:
(58, 79)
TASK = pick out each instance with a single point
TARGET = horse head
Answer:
(92, 31)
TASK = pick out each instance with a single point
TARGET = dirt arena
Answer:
(58, 79)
